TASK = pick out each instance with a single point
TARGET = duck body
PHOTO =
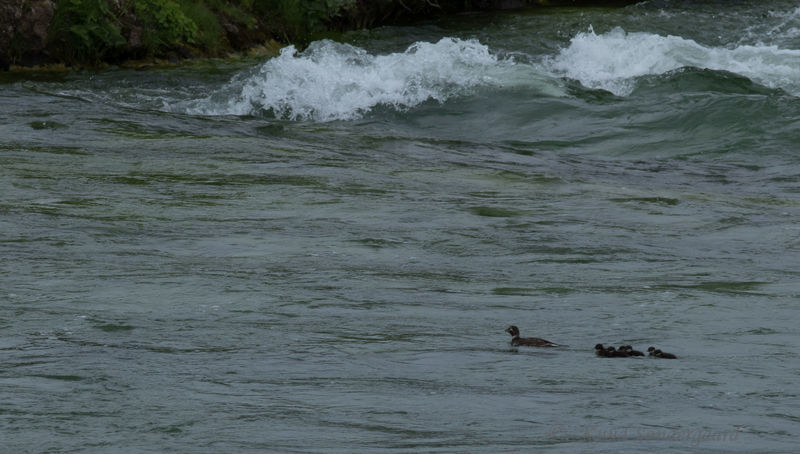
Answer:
(630, 351)
(517, 341)
(659, 354)
(599, 350)
(614, 353)
(608, 352)
(624, 351)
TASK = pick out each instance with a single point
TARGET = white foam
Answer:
(334, 81)
(612, 61)
(785, 28)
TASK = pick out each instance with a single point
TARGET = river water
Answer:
(320, 252)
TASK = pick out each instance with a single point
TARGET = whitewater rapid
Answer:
(614, 60)
(333, 81)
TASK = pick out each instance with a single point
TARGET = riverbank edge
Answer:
(95, 33)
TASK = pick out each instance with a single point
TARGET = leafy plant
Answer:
(297, 19)
(165, 23)
(84, 30)
(209, 35)
(90, 31)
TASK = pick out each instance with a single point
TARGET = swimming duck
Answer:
(527, 341)
(659, 354)
(609, 352)
(599, 350)
(614, 353)
(630, 351)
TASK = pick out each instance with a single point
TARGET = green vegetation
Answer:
(165, 23)
(88, 32)
(84, 30)
(208, 31)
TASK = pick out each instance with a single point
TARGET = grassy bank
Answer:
(90, 32)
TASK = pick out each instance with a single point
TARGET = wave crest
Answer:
(612, 61)
(334, 81)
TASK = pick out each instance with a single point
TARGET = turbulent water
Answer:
(320, 251)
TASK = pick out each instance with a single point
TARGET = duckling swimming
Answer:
(630, 351)
(614, 353)
(610, 352)
(659, 354)
(527, 341)
(599, 350)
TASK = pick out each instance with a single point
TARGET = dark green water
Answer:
(320, 252)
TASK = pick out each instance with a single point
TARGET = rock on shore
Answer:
(23, 30)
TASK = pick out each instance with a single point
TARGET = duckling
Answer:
(630, 351)
(516, 341)
(659, 354)
(609, 352)
(614, 353)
